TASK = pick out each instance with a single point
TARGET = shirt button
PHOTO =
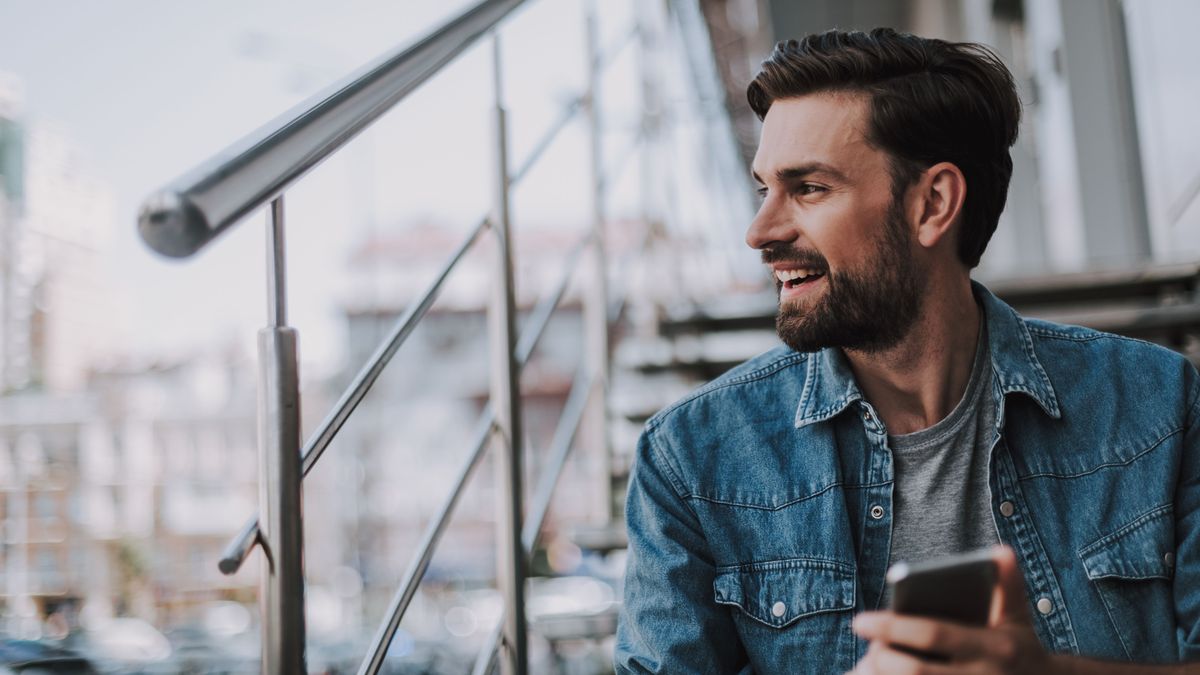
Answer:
(877, 512)
(1007, 509)
(778, 609)
(1169, 558)
(1045, 606)
(866, 415)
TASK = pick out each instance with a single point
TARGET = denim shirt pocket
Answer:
(1131, 570)
(779, 593)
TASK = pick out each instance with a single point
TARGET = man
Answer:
(911, 414)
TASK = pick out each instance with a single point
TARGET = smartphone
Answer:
(954, 588)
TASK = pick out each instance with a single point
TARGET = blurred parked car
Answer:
(29, 657)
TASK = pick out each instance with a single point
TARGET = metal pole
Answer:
(653, 189)
(647, 21)
(595, 299)
(506, 398)
(281, 594)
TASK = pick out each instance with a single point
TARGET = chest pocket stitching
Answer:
(1121, 564)
(1135, 551)
(805, 587)
(764, 506)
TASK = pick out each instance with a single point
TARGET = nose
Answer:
(770, 225)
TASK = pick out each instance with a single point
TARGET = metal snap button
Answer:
(1045, 606)
(1007, 509)
(877, 512)
(1169, 559)
(778, 609)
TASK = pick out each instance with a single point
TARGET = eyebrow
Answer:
(797, 172)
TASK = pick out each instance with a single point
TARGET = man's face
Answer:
(839, 247)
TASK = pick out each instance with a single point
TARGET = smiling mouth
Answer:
(798, 277)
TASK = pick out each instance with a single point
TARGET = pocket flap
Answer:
(1139, 550)
(779, 592)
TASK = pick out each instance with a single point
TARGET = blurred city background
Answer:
(128, 438)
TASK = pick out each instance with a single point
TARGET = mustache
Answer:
(780, 253)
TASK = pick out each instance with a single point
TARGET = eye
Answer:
(761, 190)
(810, 188)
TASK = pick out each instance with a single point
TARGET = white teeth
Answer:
(785, 276)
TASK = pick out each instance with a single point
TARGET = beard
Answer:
(869, 309)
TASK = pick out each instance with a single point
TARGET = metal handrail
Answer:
(433, 534)
(571, 109)
(540, 318)
(560, 448)
(617, 167)
(564, 119)
(609, 54)
(485, 661)
(572, 410)
(187, 214)
(243, 543)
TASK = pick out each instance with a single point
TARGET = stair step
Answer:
(1102, 285)
(697, 355)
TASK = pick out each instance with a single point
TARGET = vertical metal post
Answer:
(651, 111)
(506, 398)
(281, 595)
(595, 299)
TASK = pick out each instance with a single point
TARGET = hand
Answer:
(1007, 645)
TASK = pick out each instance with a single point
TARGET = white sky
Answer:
(148, 88)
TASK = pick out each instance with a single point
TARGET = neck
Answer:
(918, 382)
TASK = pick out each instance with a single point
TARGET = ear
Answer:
(939, 197)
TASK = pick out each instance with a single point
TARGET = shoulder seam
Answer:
(1093, 335)
(672, 475)
(1088, 335)
(665, 461)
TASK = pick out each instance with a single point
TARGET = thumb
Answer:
(1009, 602)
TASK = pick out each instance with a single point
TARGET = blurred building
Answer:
(54, 218)
(16, 282)
(119, 499)
(119, 486)
(398, 456)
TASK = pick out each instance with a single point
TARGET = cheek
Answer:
(847, 236)
(839, 239)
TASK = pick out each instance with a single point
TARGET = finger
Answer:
(1010, 604)
(952, 640)
(894, 662)
(869, 664)
(864, 665)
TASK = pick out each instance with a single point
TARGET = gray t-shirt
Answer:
(941, 499)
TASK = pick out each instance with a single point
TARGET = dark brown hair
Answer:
(930, 101)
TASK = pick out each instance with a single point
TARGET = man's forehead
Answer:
(827, 128)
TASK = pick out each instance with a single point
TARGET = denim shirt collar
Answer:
(830, 387)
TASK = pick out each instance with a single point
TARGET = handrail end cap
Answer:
(172, 226)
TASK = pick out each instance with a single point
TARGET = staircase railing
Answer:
(189, 213)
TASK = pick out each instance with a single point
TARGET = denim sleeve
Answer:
(1187, 532)
(669, 622)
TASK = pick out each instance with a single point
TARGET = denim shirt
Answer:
(759, 507)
